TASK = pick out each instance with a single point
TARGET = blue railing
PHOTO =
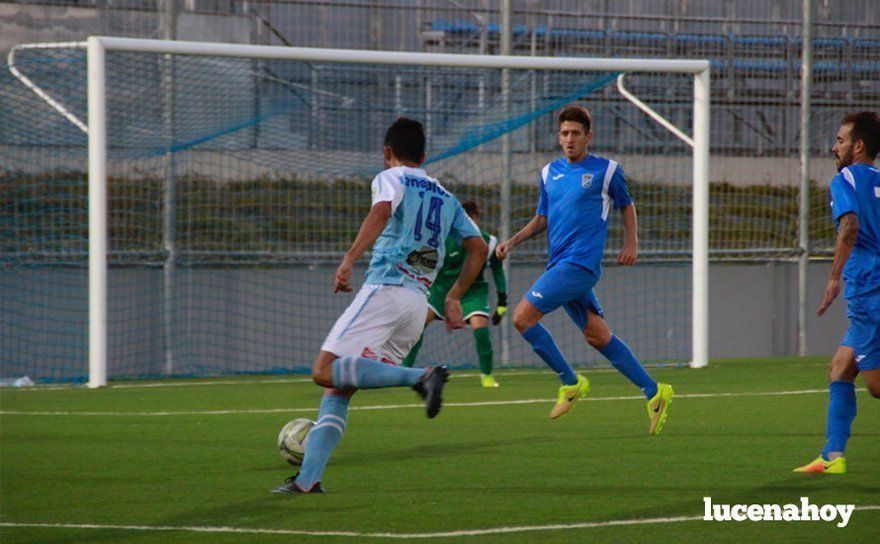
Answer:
(869, 48)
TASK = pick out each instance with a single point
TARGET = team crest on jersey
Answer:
(587, 181)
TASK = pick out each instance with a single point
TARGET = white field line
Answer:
(401, 406)
(232, 381)
(454, 374)
(357, 534)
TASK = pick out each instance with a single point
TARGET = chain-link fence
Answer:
(247, 162)
(754, 47)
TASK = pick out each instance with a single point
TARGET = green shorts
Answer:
(474, 302)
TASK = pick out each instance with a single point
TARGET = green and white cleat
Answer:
(568, 395)
(658, 408)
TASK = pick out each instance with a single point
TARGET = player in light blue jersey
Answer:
(410, 218)
(855, 209)
(578, 192)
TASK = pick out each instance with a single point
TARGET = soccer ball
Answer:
(293, 438)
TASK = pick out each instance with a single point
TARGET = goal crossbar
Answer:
(97, 124)
(274, 52)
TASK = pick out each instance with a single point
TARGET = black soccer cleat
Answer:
(289, 486)
(430, 388)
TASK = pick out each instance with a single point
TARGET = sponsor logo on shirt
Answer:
(423, 260)
(424, 281)
(421, 183)
(557, 176)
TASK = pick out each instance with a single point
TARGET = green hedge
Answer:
(49, 214)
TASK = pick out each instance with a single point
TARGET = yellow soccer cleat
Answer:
(488, 381)
(568, 395)
(821, 466)
(658, 407)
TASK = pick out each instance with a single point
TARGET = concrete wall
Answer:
(249, 320)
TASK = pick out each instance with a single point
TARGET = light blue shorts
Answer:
(863, 334)
(568, 285)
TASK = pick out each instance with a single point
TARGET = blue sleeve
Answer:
(462, 226)
(618, 191)
(542, 201)
(843, 198)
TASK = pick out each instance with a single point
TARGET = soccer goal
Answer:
(181, 206)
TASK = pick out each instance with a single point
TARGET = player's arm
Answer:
(630, 251)
(476, 250)
(619, 193)
(371, 228)
(847, 233)
(537, 225)
(500, 288)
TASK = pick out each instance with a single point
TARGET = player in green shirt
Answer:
(475, 303)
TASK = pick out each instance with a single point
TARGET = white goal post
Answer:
(97, 137)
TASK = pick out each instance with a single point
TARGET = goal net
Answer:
(236, 176)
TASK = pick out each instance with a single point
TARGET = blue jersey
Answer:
(856, 189)
(411, 248)
(577, 198)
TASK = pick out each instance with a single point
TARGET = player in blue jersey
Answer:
(855, 209)
(577, 194)
(410, 218)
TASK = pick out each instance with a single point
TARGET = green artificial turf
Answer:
(154, 457)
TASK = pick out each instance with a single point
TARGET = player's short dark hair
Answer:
(471, 208)
(865, 127)
(578, 114)
(406, 138)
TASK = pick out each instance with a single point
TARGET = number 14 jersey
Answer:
(410, 249)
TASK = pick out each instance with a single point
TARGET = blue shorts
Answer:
(568, 285)
(863, 334)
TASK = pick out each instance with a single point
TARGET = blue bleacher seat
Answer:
(775, 41)
(699, 38)
(639, 36)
